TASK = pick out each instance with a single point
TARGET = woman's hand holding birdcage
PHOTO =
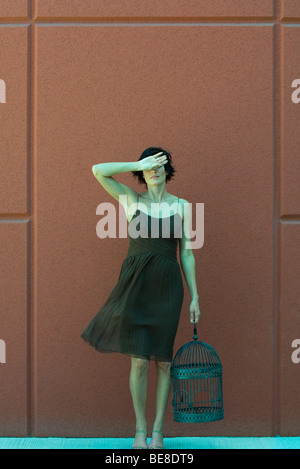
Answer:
(194, 310)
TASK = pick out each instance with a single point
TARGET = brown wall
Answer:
(93, 81)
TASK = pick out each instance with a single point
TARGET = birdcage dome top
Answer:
(196, 359)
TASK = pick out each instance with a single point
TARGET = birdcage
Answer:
(197, 383)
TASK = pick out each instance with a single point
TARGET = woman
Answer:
(141, 315)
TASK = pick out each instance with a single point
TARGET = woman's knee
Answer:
(140, 365)
(164, 367)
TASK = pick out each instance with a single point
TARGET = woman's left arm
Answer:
(188, 263)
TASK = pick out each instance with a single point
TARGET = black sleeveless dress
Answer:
(140, 317)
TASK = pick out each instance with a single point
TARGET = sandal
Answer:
(155, 446)
(138, 445)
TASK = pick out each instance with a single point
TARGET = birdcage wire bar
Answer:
(197, 383)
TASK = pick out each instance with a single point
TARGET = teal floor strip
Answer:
(169, 443)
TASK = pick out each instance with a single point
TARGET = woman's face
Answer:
(156, 176)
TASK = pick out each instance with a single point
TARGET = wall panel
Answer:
(128, 88)
(145, 8)
(291, 9)
(13, 328)
(17, 9)
(290, 329)
(291, 136)
(13, 142)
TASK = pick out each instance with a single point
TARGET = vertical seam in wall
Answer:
(277, 142)
(280, 163)
(31, 320)
(29, 295)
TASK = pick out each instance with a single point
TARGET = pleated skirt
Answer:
(141, 315)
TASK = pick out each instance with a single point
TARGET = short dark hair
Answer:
(168, 166)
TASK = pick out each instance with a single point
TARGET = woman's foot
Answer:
(157, 440)
(140, 440)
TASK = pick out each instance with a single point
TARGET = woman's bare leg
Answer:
(163, 387)
(138, 381)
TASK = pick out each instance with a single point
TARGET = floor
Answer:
(169, 443)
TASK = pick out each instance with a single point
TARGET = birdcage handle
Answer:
(195, 332)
